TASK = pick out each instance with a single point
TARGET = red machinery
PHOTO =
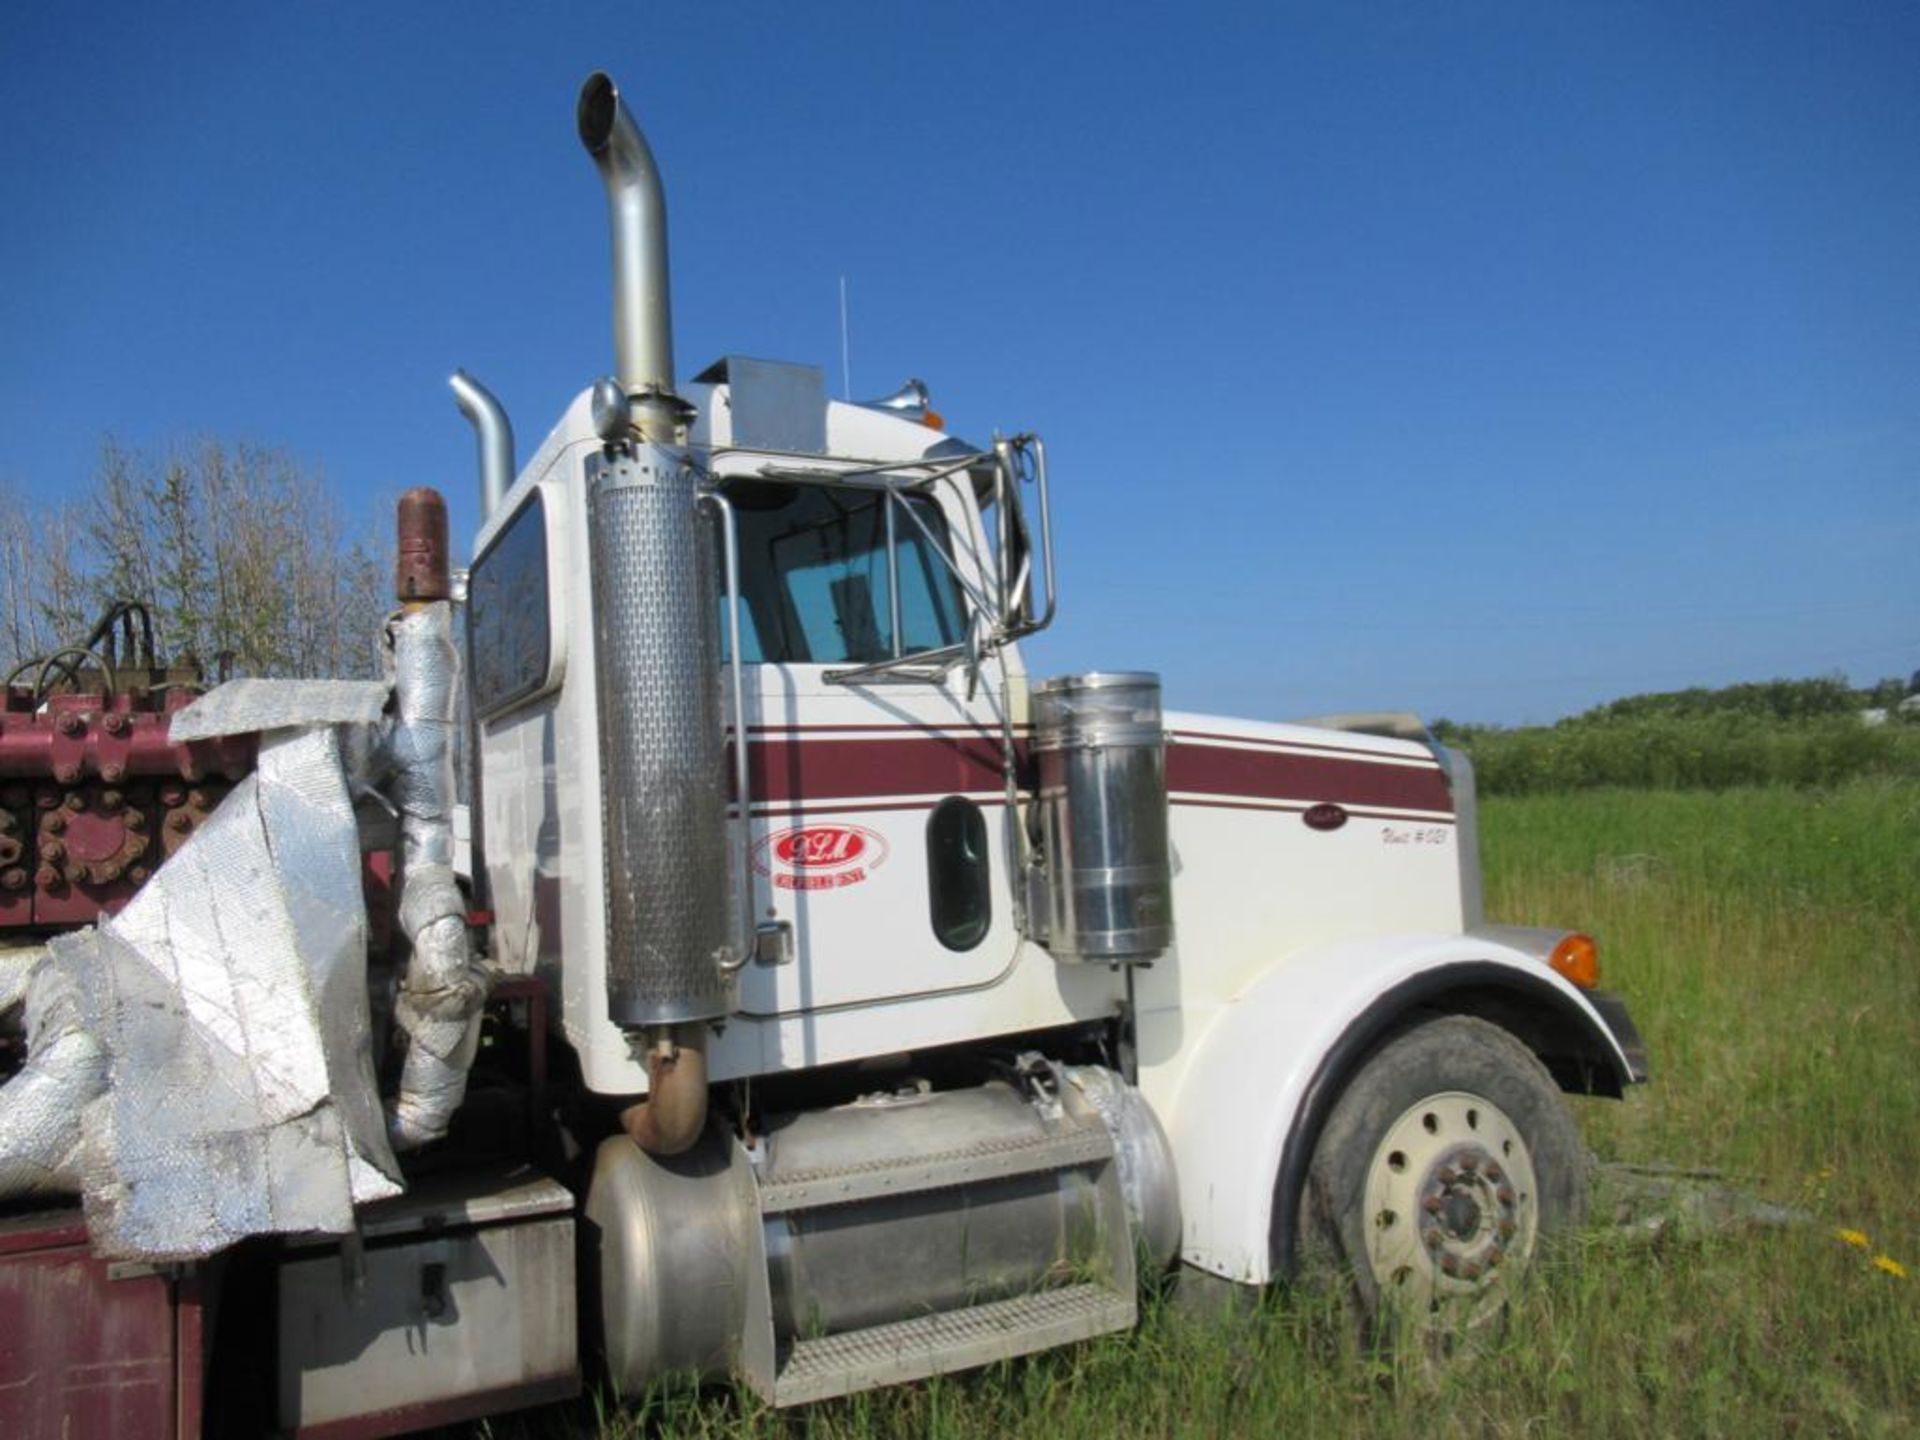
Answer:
(93, 795)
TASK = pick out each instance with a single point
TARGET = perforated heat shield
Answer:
(662, 753)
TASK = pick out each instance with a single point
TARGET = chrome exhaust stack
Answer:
(495, 435)
(637, 212)
(670, 942)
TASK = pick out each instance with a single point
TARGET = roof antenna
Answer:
(846, 362)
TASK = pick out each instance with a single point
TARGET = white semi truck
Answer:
(875, 1009)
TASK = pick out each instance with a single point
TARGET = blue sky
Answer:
(1484, 361)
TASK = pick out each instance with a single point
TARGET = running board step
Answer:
(948, 1341)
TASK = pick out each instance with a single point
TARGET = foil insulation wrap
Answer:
(226, 1010)
(16, 970)
(41, 1107)
(444, 988)
(250, 706)
(656, 606)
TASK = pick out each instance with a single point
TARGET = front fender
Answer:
(1264, 1072)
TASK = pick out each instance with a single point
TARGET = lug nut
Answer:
(116, 724)
(1431, 1237)
(1470, 1270)
(55, 822)
(112, 799)
(76, 802)
(1494, 1172)
(81, 875)
(14, 879)
(1446, 1175)
(197, 798)
(69, 724)
(1449, 1264)
(180, 822)
(1469, 1163)
(66, 772)
(47, 878)
(1495, 1256)
(1504, 1195)
(1431, 1204)
(53, 851)
(1506, 1228)
(113, 772)
(138, 874)
(135, 820)
(107, 871)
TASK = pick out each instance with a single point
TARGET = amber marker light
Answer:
(1577, 958)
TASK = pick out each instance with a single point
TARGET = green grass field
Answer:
(1769, 942)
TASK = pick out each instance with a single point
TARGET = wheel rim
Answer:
(1452, 1209)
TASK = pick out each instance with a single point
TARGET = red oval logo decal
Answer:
(821, 846)
(1325, 816)
(820, 857)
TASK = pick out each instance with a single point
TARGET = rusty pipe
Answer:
(674, 1113)
(420, 571)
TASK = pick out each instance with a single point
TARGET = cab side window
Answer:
(815, 581)
(507, 612)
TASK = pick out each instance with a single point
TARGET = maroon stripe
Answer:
(989, 731)
(1272, 809)
(834, 807)
(1275, 775)
(798, 772)
(808, 770)
(1270, 742)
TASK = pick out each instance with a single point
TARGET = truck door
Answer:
(878, 801)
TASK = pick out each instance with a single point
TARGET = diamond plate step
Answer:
(951, 1340)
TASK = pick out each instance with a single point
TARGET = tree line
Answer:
(241, 553)
(1776, 732)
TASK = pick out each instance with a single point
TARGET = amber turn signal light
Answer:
(1577, 959)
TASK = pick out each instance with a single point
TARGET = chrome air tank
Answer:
(662, 752)
(1100, 751)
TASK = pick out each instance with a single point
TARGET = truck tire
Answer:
(1446, 1161)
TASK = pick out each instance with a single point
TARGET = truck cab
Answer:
(745, 650)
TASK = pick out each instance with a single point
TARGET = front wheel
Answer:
(1447, 1158)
